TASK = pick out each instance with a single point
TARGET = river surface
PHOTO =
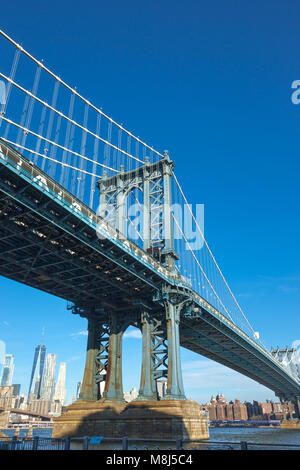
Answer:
(256, 435)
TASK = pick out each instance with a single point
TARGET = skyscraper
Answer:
(60, 386)
(161, 387)
(8, 370)
(37, 385)
(48, 384)
(39, 355)
(17, 390)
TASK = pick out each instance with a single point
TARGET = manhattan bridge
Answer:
(92, 214)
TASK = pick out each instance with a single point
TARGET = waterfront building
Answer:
(220, 410)
(239, 411)
(132, 395)
(161, 388)
(221, 400)
(229, 411)
(212, 411)
(266, 408)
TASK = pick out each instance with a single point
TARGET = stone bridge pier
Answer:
(101, 409)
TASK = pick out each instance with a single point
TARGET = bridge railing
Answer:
(35, 443)
(125, 443)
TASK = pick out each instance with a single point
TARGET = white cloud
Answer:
(130, 333)
(245, 295)
(136, 334)
(80, 333)
(288, 289)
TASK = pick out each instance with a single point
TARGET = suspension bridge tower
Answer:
(101, 409)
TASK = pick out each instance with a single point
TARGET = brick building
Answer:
(220, 410)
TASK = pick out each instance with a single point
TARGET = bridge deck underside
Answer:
(45, 245)
(211, 338)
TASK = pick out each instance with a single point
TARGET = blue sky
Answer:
(210, 82)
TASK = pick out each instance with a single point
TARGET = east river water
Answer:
(265, 436)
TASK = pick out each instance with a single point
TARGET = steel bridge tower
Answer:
(160, 330)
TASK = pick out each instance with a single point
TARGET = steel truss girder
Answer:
(154, 354)
(223, 353)
(159, 350)
(107, 254)
(102, 355)
(233, 338)
(19, 233)
(234, 361)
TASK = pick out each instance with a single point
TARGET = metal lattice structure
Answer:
(153, 182)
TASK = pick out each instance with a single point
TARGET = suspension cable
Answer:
(72, 90)
(57, 145)
(134, 227)
(212, 256)
(59, 113)
(194, 256)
